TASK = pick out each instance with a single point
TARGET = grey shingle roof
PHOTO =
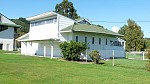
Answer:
(90, 29)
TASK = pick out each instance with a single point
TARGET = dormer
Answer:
(83, 21)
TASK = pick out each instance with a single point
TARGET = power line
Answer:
(119, 21)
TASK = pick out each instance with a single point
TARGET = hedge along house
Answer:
(49, 29)
(7, 33)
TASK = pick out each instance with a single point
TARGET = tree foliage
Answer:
(133, 36)
(25, 25)
(72, 50)
(146, 43)
(67, 9)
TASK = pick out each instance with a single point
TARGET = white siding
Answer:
(63, 23)
(105, 50)
(96, 45)
(7, 39)
(45, 31)
(26, 48)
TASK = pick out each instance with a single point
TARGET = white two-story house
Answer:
(49, 29)
(7, 33)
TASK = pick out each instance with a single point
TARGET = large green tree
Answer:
(67, 9)
(133, 36)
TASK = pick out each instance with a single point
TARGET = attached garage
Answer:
(46, 48)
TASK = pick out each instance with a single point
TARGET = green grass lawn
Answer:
(17, 69)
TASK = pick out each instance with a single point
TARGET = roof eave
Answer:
(33, 40)
(100, 33)
(44, 15)
(10, 25)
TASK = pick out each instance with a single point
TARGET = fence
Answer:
(105, 54)
(137, 55)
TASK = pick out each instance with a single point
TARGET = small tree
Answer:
(72, 50)
(95, 56)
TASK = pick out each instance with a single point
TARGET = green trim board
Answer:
(89, 28)
(10, 25)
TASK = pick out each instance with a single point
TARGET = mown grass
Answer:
(17, 69)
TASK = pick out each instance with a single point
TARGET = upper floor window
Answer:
(99, 41)
(92, 40)
(76, 38)
(48, 21)
(85, 39)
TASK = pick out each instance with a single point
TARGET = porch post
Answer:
(124, 45)
(31, 49)
(26, 48)
(44, 51)
(52, 53)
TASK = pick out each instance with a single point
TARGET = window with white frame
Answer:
(48, 21)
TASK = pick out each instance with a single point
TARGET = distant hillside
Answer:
(25, 26)
(23, 30)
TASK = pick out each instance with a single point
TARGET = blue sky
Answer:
(94, 10)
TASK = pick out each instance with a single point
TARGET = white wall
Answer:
(26, 48)
(63, 23)
(96, 45)
(7, 39)
(45, 31)
(38, 48)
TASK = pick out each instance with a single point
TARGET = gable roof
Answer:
(89, 28)
(45, 15)
(7, 21)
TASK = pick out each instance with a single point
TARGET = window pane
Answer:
(106, 41)
(93, 40)
(85, 39)
(99, 41)
(76, 38)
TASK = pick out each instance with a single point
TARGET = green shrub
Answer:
(148, 64)
(72, 50)
(95, 56)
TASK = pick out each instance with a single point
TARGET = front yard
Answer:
(18, 69)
